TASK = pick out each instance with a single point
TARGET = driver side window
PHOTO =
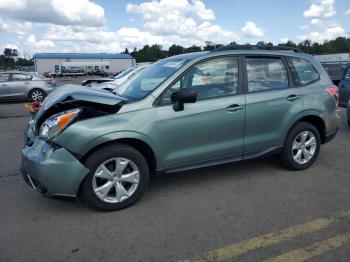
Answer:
(210, 79)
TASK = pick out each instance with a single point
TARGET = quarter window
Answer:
(213, 78)
(266, 74)
(303, 71)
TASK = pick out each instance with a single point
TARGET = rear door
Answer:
(271, 102)
(344, 88)
(4, 80)
(18, 85)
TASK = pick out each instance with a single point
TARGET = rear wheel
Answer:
(301, 147)
(118, 176)
(37, 95)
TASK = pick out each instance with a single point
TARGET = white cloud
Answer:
(315, 21)
(151, 10)
(251, 30)
(347, 12)
(63, 25)
(284, 40)
(64, 12)
(181, 19)
(40, 45)
(329, 33)
(20, 29)
(321, 8)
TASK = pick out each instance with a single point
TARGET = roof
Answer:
(81, 56)
(188, 56)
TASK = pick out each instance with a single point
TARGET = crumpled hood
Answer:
(68, 94)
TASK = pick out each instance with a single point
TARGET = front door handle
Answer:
(293, 98)
(342, 86)
(234, 108)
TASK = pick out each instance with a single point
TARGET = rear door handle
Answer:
(234, 108)
(293, 98)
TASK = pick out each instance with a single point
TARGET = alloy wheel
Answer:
(37, 95)
(115, 180)
(304, 147)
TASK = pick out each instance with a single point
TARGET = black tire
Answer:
(287, 155)
(33, 93)
(103, 154)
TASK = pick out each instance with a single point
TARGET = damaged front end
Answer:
(92, 103)
(47, 167)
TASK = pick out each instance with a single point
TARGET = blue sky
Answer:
(112, 25)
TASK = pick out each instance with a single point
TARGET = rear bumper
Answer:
(330, 136)
(51, 171)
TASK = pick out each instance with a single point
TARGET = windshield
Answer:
(127, 71)
(149, 79)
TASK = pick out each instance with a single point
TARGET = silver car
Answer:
(23, 85)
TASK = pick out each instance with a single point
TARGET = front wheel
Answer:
(301, 147)
(118, 176)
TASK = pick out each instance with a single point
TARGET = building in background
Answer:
(87, 62)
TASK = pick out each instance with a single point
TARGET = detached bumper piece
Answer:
(51, 171)
(331, 135)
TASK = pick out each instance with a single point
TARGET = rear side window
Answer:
(303, 71)
(19, 77)
(266, 74)
(4, 77)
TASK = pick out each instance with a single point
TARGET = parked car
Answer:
(256, 101)
(344, 88)
(119, 79)
(22, 85)
(335, 71)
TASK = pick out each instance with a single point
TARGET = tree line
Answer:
(9, 59)
(152, 53)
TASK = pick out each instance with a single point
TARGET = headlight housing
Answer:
(55, 124)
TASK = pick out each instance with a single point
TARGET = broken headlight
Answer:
(57, 123)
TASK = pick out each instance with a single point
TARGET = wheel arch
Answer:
(144, 148)
(313, 119)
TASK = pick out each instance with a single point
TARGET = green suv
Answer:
(183, 112)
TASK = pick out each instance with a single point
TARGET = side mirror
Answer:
(181, 97)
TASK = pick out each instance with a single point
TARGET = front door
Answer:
(210, 130)
(271, 102)
(4, 80)
(18, 85)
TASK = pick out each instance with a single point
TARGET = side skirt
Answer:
(220, 161)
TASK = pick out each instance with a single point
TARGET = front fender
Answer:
(116, 136)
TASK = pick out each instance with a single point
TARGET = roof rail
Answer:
(257, 47)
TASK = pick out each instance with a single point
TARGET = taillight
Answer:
(33, 107)
(36, 106)
(334, 92)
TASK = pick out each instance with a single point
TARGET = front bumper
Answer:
(51, 171)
